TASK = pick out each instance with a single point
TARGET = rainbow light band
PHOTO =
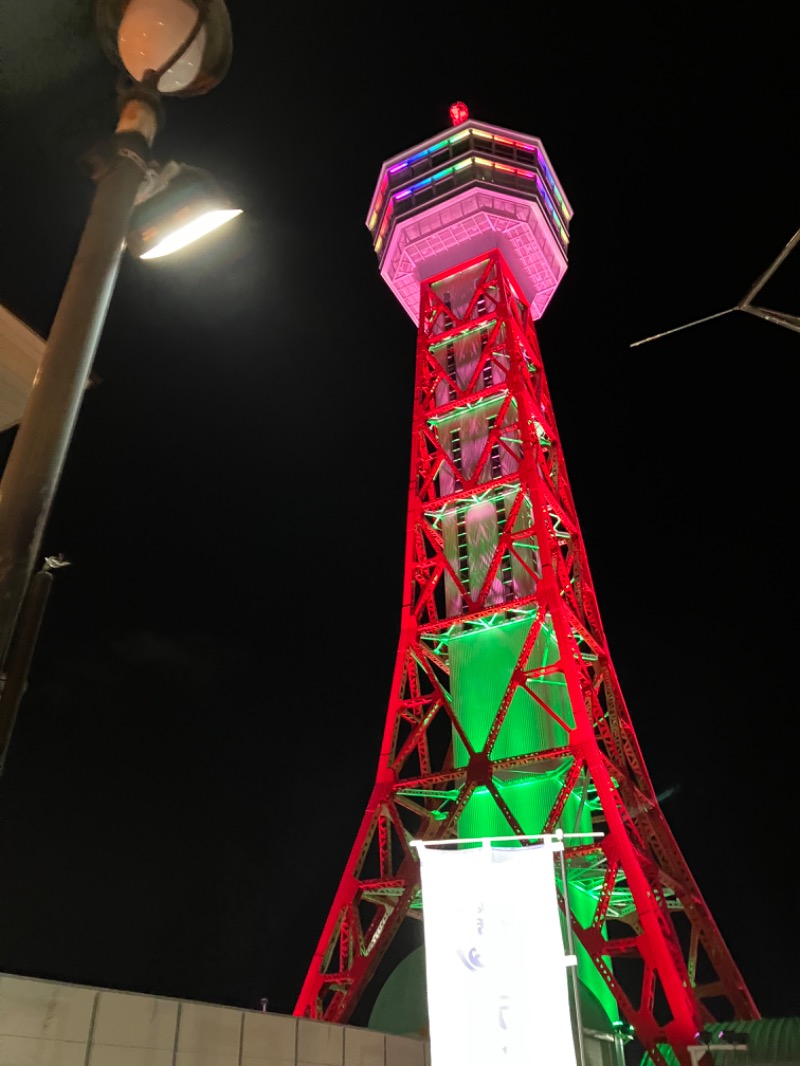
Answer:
(453, 140)
(479, 161)
(553, 213)
(434, 177)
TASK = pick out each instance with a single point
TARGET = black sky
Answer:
(201, 730)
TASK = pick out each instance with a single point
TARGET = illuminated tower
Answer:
(505, 714)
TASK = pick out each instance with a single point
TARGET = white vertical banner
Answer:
(496, 969)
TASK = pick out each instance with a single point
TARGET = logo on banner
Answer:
(473, 961)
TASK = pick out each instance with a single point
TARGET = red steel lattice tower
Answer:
(505, 714)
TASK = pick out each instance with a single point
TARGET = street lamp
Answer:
(163, 48)
(177, 205)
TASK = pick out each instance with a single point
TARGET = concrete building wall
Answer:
(47, 1023)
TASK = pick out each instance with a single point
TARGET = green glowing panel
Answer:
(482, 664)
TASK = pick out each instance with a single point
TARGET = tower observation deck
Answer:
(472, 190)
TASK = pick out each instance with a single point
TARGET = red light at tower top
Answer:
(459, 113)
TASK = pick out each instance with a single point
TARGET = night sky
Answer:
(201, 731)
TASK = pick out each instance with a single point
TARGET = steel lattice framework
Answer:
(505, 710)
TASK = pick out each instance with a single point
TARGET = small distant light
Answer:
(458, 113)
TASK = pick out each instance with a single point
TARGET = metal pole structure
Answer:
(20, 654)
(746, 303)
(576, 992)
(778, 318)
(761, 281)
(37, 457)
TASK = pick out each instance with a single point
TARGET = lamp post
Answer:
(166, 47)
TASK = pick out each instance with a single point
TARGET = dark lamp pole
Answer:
(40, 447)
(37, 457)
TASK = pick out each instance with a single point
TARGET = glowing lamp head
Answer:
(458, 113)
(187, 205)
(189, 229)
(186, 42)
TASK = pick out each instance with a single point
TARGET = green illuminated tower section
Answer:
(496, 623)
(505, 715)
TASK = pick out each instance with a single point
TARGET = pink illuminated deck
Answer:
(473, 222)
